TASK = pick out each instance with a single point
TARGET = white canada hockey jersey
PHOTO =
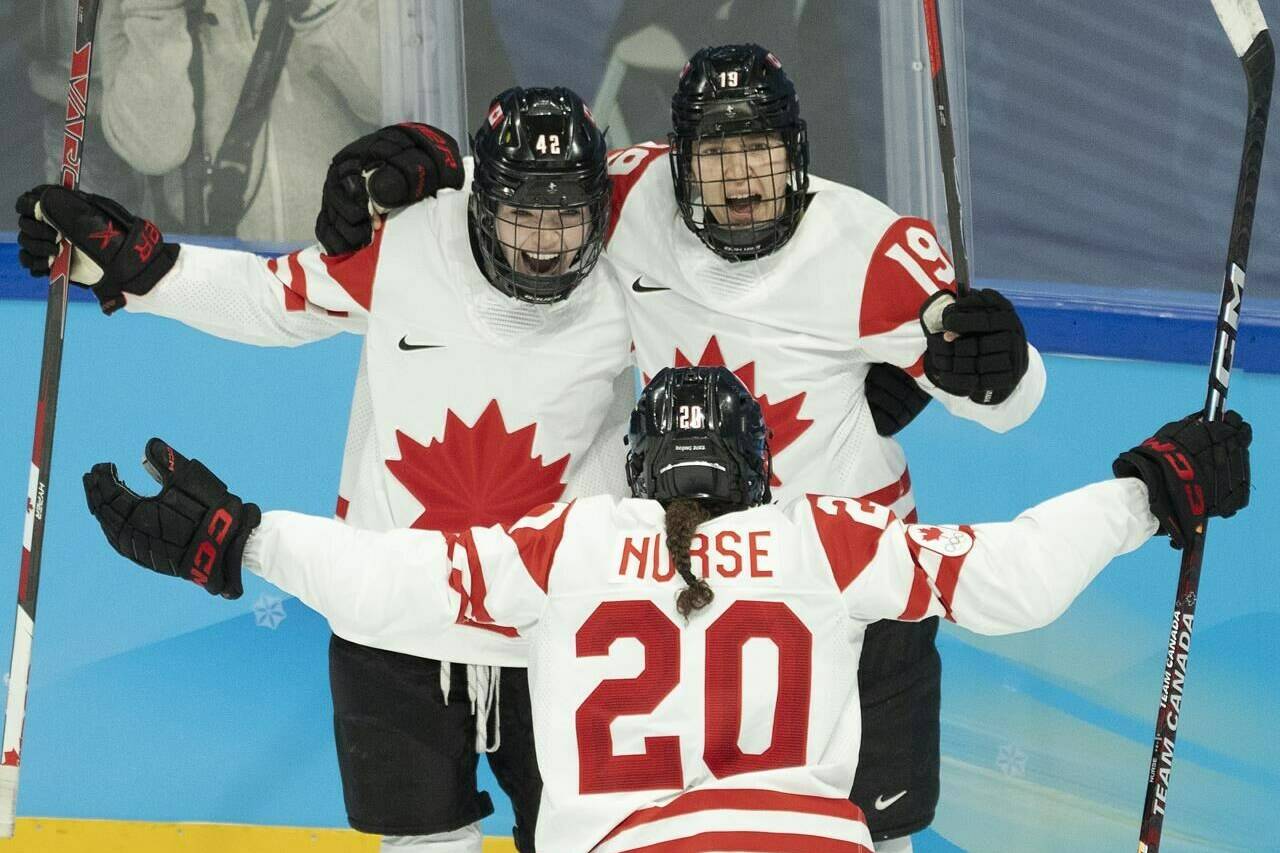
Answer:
(800, 327)
(469, 407)
(646, 730)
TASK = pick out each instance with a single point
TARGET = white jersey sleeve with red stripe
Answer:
(907, 266)
(989, 578)
(399, 589)
(285, 301)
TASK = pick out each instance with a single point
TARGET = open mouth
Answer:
(540, 263)
(740, 209)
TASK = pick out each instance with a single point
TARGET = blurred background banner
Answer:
(1100, 145)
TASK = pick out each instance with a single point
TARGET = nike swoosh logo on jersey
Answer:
(640, 288)
(882, 803)
(408, 347)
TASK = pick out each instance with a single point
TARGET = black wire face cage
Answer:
(539, 241)
(741, 191)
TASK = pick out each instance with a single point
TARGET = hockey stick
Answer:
(55, 319)
(1247, 30)
(946, 145)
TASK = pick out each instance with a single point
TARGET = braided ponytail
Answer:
(683, 517)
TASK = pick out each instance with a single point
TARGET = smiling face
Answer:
(742, 178)
(539, 241)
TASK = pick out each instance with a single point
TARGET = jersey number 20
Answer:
(600, 771)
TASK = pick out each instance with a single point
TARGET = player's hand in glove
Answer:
(1194, 469)
(893, 397)
(975, 345)
(194, 529)
(113, 251)
(390, 168)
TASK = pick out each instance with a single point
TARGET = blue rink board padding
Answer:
(153, 701)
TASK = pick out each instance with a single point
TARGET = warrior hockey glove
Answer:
(395, 166)
(114, 252)
(893, 397)
(988, 358)
(194, 529)
(1194, 469)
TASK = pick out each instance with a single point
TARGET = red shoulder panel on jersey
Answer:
(354, 271)
(907, 267)
(626, 165)
(537, 545)
(850, 544)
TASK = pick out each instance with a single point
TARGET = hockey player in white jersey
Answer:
(809, 290)
(799, 284)
(495, 376)
(692, 649)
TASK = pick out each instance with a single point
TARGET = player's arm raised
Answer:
(396, 590)
(1018, 575)
(126, 260)
(970, 353)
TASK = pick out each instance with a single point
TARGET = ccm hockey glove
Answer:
(392, 167)
(194, 529)
(113, 251)
(893, 397)
(1194, 469)
(986, 357)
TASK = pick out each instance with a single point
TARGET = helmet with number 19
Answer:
(740, 154)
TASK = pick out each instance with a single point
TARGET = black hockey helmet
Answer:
(739, 90)
(696, 432)
(540, 176)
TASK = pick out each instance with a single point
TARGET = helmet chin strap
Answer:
(750, 241)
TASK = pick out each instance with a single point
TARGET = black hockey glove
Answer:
(194, 529)
(114, 252)
(988, 358)
(403, 163)
(1193, 470)
(893, 397)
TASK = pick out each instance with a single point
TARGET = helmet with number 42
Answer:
(540, 195)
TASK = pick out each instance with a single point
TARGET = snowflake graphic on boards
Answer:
(268, 611)
(1012, 761)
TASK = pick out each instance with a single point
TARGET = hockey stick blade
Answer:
(77, 117)
(1247, 30)
(1243, 21)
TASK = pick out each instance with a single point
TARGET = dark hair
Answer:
(683, 517)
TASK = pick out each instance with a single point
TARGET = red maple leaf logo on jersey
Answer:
(783, 419)
(476, 475)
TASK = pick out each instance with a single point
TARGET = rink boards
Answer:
(152, 702)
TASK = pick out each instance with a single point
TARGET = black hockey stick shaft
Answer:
(77, 117)
(946, 145)
(1243, 22)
